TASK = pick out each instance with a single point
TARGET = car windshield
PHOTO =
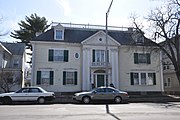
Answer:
(42, 89)
(22, 90)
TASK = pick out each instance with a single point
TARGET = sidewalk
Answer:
(132, 99)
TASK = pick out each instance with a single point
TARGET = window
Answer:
(58, 34)
(100, 90)
(138, 38)
(76, 55)
(166, 65)
(110, 90)
(58, 55)
(167, 82)
(34, 90)
(151, 78)
(143, 78)
(99, 57)
(45, 77)
(134, 79)
(142, 58)
(23, 90)
(69, 78)
(16, 63)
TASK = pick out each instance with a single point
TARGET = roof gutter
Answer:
(5, 49)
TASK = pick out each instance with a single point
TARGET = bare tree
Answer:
(9, 80)
(165, 25)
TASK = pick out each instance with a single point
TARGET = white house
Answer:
(12, 64)
(69, 59)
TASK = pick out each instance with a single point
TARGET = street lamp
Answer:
(106, 52)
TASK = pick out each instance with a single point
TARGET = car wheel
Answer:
(86, 100)
(117, 100)
(7, 100)
(41, 100)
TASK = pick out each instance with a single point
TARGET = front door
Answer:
(100, 80)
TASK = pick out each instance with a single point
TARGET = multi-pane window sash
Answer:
(69, 78)
(58, 55)
(167, 82)
(45, 77)
(59, 34)
(142, 58)
(142, 78)
(99, 56)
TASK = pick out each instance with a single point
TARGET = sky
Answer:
(72, 11)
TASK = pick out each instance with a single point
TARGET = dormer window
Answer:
(59, 32)
(59, 35)
(138, 38)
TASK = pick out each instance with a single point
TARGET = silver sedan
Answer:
(102, 94)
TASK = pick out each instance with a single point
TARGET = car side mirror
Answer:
(94, 92)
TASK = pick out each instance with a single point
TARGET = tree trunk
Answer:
(178, 76)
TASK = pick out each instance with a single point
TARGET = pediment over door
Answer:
(99, 38)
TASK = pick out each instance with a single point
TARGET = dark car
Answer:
(102, 94)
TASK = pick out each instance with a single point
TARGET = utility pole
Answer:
(106, 52)
(106, 59)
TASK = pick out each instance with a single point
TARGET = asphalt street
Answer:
(131, 111)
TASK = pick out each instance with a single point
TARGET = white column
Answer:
(116, 70)
(92, 77)
(113, 66)
(88, 62)
(84, 71)
(33, 78)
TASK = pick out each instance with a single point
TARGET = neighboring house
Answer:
(171, 84)
(69, 59)
(12, 60)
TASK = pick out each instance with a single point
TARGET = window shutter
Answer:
(108, 56)
(148, 58)
(93, 56)
(154, 78)
(132, 78)
(51, 54)
(75, 78)
(51, 77)
(38, 81)
(135, 58)
(64, 77)
(66, 52)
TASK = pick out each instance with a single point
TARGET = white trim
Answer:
(161, 72)
(75, 55)
(33, 70)
(117, 71)
(88, 62)
(5, 49)
(100, 32)
(113, 66)
(84, 83)
(55, 30)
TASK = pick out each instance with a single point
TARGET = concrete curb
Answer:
(133, 99)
